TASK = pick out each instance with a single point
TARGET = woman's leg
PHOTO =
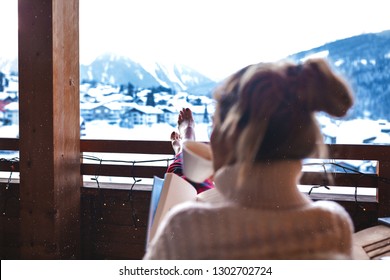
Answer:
(186, 129)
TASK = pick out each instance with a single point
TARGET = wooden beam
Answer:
(49, 129)
(9, 144)
(127, 146)
(123, 170)
(384, 189)
(360, 152)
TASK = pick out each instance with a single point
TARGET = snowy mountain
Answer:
(121, 70)
(364, 61)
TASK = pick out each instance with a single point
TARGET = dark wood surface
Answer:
(49, 142)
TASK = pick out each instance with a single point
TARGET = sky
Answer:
(215, 37)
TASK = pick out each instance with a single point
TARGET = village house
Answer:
(169, 115)
(106, 111)
(140, 115)
(11, 113)
(202, 113)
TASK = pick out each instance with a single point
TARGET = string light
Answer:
(130, 199)
(350, 171)
(325, 181)
(9, 194)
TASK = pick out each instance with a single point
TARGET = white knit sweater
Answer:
(267, 218)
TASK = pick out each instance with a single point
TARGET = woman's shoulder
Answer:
(329, 206)
(333, 211)
(321, 207)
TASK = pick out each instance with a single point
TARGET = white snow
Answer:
(100, 129)
(321, 54)
(9, 131)
(356, 131)
(151, 67)
(339, 62)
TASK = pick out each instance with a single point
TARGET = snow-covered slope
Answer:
(114, 69)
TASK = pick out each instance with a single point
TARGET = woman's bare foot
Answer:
(186, 124)
(175, 140)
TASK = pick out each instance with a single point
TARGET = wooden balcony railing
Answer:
(380, 181)
(114, 217)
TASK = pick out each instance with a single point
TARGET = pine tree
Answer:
(2, 77)
(150, 99)
(206, 115)
(130, 89)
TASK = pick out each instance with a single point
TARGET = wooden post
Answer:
(49, 129)
(384, 189)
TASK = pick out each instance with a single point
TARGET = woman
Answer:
(264, 126)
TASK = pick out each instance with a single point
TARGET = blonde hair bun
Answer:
(324, 90)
